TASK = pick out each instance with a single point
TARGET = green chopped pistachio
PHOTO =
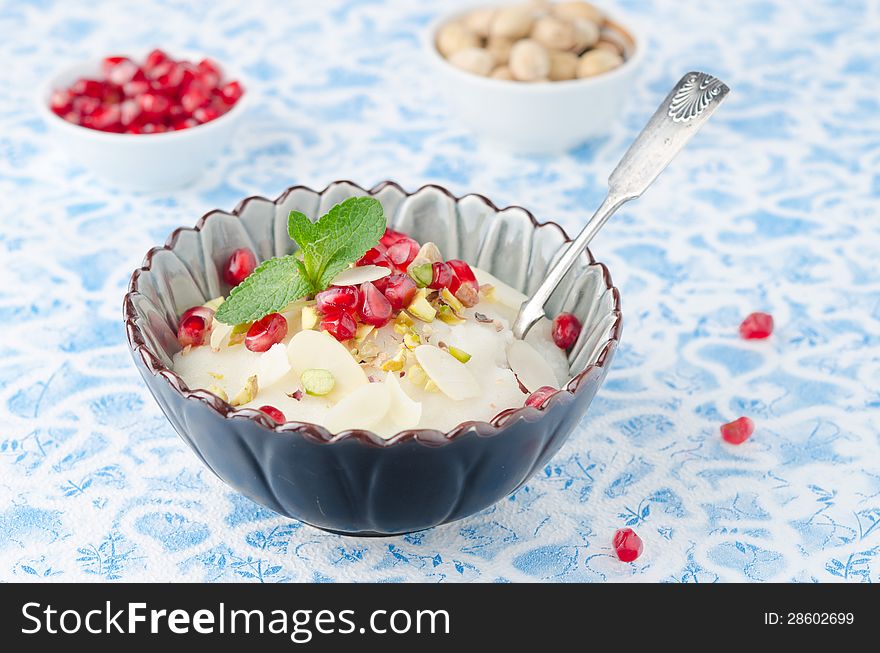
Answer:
(395, 364)
(422, 274)
(363, 330)
(220, 392)
(239, 331)
(308, 317)
(247, 393)
(421, 308)
(411, 340)
(459, 354)
(403, 319)
(451, 300)
(317, 382)
(447, 315)
(417, 375)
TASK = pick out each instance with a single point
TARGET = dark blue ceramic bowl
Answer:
(356, 482)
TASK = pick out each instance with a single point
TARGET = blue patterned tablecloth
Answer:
(773, 207)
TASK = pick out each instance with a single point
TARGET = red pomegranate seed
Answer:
(205, 114)
(231, 92)
(193, 331)
(463, 271)
(540, 396)
(129, 111)
(155, 58)
(61, 102)
(390, 237)
(402, 253)
(186, 123)
(756, 326)
(276, 415)
(340, 325)
(399, 290)
(239, 266)
(119, 70)
(444, 277)
(627, 545)
(106, 118)
(566, 329)
(738, 431)
(468, 289)
(151, 128)
(209, 72)
(375, 256)
(373, 307)
(85, 105)
(201, 311)
(154, 104)
(88, 88)
(265, 332)
(338, 298)
(196, 95)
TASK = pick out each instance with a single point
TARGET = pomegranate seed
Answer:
(155, 58)
(119, 70)
(231, 92)
(399, 290)
(402, 253)
(88, 88)
(193, 331)
(340, 325)
(186, 123)
(627, 545)
(540, 396)
(444, 277)
(85, 105)
(129, 111)
(201, 311)
(196, 95)
(152, 128)
(390, 237)
(375, 256)
(738, 431)
(106, 117)
(463, 271)
(756, 326)
(135, 87)
(373, 308)
(209, 72)
(468, 289)
(239, 266)
(265, 332)
(276, 415)
(153, 104)
(205, 114)
(338, 298)
(61, 102)
(566, 329)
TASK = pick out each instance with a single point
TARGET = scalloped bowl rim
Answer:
(317, 433)
(52, 82)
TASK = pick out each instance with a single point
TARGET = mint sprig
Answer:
(328, 246)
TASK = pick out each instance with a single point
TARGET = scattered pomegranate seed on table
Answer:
(265, 332)
(160, 95)
(738, 431)
(566, 329)
(276, 415)
(756, 326)
(627, 545)
(239, 266)
(540, 396)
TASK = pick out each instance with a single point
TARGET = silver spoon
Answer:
(686, 108)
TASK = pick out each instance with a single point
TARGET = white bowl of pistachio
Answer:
(535, 77)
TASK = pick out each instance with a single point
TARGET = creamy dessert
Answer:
(365, 328)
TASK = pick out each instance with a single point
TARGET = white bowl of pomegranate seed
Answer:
(146, 123)
(345, 357)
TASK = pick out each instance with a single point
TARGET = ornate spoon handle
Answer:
(686, 108)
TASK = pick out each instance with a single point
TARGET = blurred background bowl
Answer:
(538, 117)
(142, 162)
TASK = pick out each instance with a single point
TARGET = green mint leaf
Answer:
(338, 239)
(268, 289)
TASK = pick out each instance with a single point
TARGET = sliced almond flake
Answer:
(530, 367)
(503, 294)
(320, 350)
(273, 365)
(453, 378)
(361, 409)
(358, 275)
(404, 411)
